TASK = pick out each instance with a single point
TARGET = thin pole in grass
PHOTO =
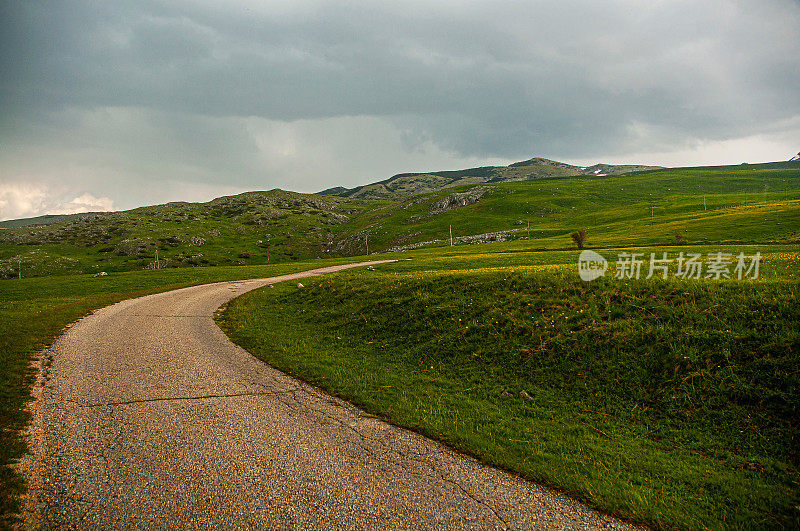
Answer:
(366, 242)
(704, 203)
(158, 264)
(19, 267)
(451, 235)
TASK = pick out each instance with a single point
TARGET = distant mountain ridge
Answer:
(42, 220)
(408, 184)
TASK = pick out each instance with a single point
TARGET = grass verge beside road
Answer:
(673, 403)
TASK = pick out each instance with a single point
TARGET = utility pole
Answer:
(158, 264)
(704, 202)
(366, 242)
(451, 235)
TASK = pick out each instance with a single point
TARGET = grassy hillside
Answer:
(705, 205)
(735, 203)
(673, 403)
(248, 229)
(41, 220)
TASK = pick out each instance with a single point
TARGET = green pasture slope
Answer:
(669, 402)
(752, 203)
(253, 228)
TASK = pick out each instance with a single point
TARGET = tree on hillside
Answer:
(579, 237)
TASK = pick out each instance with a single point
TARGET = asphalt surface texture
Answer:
(148, 417)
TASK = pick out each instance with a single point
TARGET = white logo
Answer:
(591, 265)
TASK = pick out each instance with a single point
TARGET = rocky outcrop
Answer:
(459, 200)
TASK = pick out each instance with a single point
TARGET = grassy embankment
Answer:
(673, 403)
(34, 311)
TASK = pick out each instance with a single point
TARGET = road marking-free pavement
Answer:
(147, 416)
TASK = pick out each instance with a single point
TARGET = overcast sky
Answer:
(112, 105)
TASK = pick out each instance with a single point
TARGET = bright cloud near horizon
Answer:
(113, 105)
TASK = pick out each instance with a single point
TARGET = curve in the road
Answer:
(147, 416)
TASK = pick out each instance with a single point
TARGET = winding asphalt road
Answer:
(148, 417)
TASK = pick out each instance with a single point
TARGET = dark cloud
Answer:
(504, 80)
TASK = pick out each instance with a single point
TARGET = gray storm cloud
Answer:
(244, 95)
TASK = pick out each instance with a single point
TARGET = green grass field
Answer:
(673, 403)
(669, 402)
(642, 208)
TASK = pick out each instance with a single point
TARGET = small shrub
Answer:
(579, 237)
